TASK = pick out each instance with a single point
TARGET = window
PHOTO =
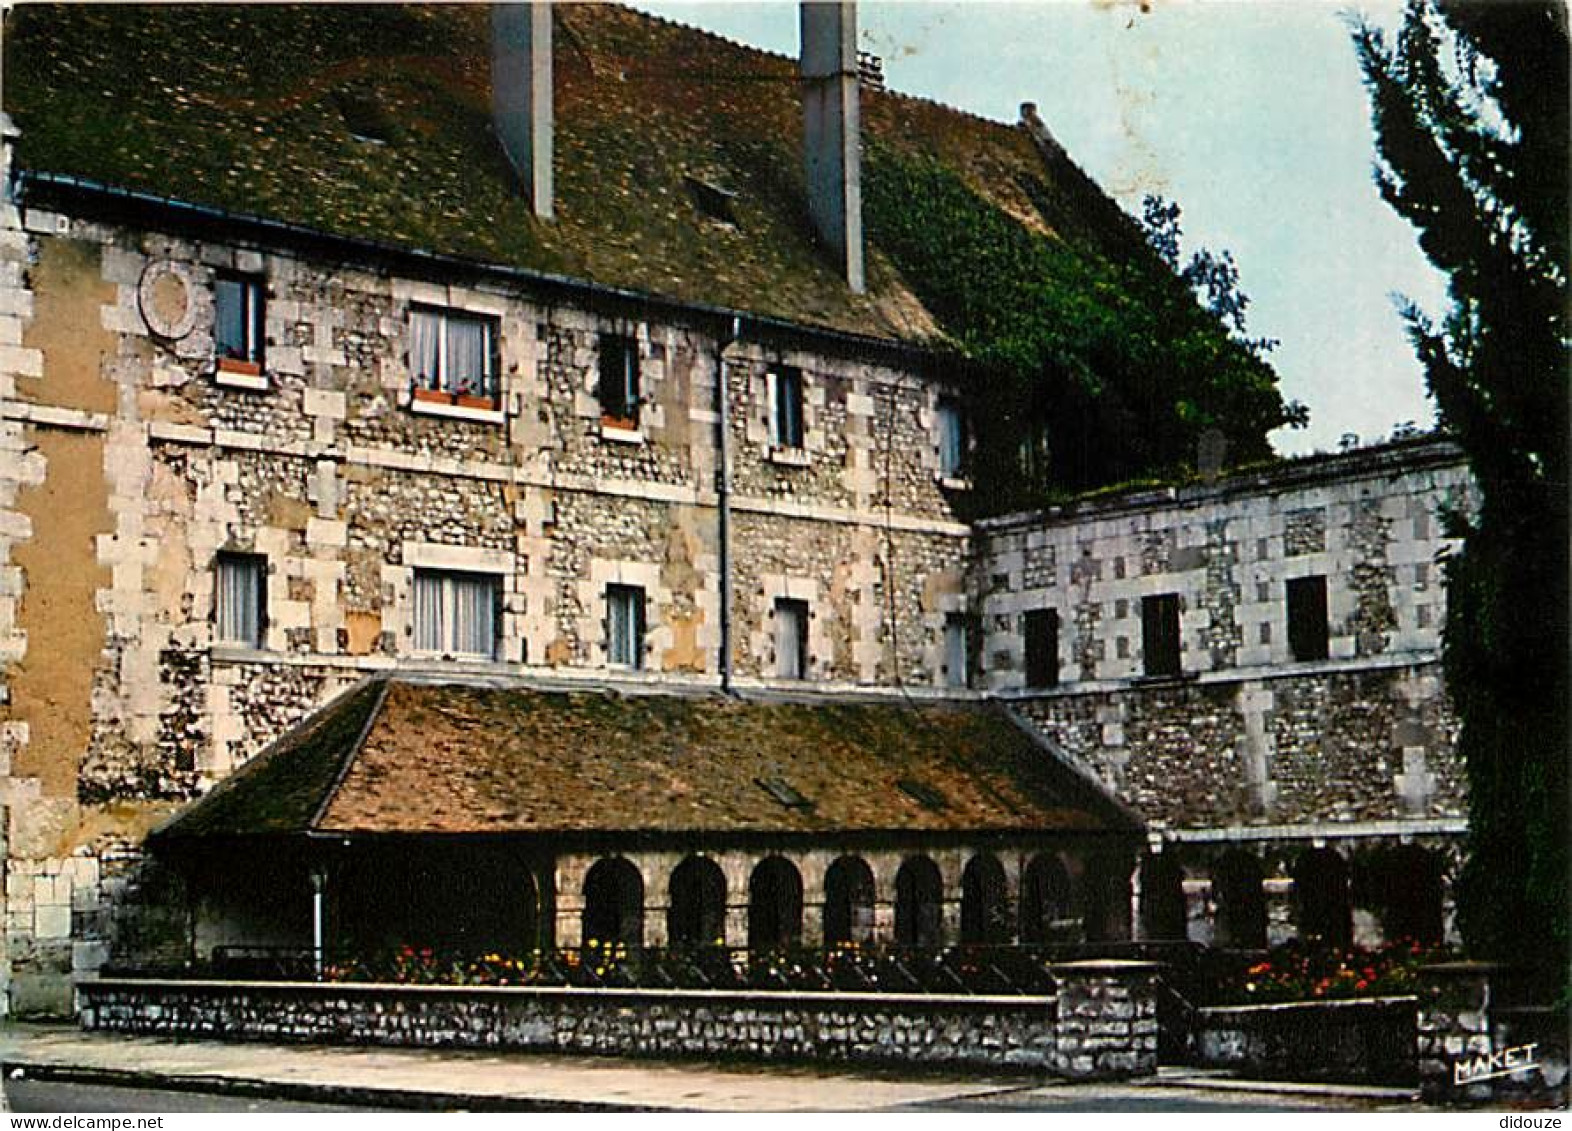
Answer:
(625, 626)
(1307, 629)
(237, 323)
(619, 381)
(456, 613)
(786, 407)
(1042, 648)
(453, 358)
(1160, 634)
(952, 439)
(240, 599)
(957, 651)
(791, 638)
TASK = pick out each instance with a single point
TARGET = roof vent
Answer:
(712, 200)
(365, 117)
(922, 793)
(782, 791)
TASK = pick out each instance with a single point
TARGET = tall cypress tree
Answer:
(1470, 108)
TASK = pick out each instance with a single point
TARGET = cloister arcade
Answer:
(822, 897)
(1235, 897)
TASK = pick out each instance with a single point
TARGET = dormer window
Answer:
(452, 357)
(619, 382)
(238, 329)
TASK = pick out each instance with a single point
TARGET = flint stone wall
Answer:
(1369, 1041)
(1111, 1015)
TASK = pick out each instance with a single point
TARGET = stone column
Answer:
(1107, 1019)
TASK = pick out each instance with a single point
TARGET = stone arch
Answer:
(848, 901)
(1162, 897)
(1046, 899)
(613, 903)
(774, 904)
(985, 901)
(1405, 886)
(919, 903)
(1321, 904)
(1241, 904)
(1105, 897)
(696, 916)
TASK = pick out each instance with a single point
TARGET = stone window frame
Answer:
(438, 401)
(639, 617)
(788, 431)
(761, 423)
(651, 374)
(789, 587)
(260, 563)
(593, 623)
(938, 399)
(448, 580)
(399, 616)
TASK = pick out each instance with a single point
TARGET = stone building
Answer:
(322, 410)
(1251, 664)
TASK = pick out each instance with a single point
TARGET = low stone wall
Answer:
(1110, 1007)
(1369, 1041)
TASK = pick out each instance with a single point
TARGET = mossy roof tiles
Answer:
(244, 108)
(454, 759)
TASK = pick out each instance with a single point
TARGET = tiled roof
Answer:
(418, 758)
(374, 122)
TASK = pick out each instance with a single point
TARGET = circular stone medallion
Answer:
(167, 298)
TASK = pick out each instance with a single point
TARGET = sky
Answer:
(1248, 113)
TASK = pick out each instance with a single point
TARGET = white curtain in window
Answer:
(951, 439)
(955, 652)
(238, 616)
(474, 615)
(466, 356)
(456, 614)
(790, 631)
(428, 613)
(425, 348)
(619, 627)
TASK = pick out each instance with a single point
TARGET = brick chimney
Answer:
(831, 134)
(521, 95)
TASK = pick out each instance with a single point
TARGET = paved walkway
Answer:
(446, 1079)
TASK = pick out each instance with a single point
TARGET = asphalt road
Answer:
(28, 1096)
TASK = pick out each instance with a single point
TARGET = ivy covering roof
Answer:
(413, 758)
(374, 122)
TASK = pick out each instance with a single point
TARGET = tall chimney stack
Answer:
(521, 94)
(831, 133)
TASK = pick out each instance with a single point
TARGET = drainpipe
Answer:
(318, 887)
(723, 494)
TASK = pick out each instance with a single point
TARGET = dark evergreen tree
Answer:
(1470, 108)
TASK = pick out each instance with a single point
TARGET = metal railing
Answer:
(958, 969)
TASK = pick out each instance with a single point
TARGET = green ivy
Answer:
(1090, 371)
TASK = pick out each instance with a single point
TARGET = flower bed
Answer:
(1301, 972)
(848, 968)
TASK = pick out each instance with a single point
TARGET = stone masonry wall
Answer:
(1246, 734)
(1111, 1021)
(134, 462)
